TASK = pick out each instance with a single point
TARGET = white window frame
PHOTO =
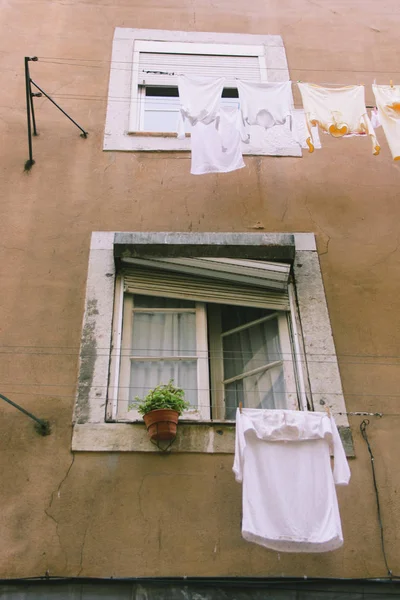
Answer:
(93, 430)
(122, 76)
(136, 111)
(118, 397)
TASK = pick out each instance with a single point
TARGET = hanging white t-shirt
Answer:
(217, 150)
(339, 111)
(200, 99)
(388, 103)
(265, 104)
(282, 457)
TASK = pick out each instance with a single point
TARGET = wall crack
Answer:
(47, 510)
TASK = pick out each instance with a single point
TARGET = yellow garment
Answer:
(338, 111)
(388, 103)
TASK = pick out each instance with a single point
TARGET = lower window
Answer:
(222, 353)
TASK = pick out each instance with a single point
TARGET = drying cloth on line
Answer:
(388, 103)
(339, 111)
(375, 120)
(282, 458)
(265, 104)
(200, 99)
(217, 150)
(300, 125)
(281, 140)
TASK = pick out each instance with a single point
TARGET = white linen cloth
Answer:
(282, 458)
(388, 103)
(375, 120)
(200, 99)
(217, 150)
(265, 104)
(300, 124)
(339, 111)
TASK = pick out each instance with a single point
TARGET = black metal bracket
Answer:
(30, 111)
(41, 425)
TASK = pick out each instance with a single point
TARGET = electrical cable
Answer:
(363, 429)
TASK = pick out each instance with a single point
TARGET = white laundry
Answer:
(375, 120)
(300, 124)
(338, 111)
(281, 140)
(388, 103)
(265, 104)
(217, 150)
(282, 457)
(200, 99)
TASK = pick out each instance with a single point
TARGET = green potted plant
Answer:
(161, 408)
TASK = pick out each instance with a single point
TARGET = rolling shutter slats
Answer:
(173, 284)
(230, 67)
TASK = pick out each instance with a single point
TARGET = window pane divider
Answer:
(250, 324)
(298, 357)
(158, 358)
(276, 363)
(164, 310)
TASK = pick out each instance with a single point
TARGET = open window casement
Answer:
(220, 328)
(155, 104)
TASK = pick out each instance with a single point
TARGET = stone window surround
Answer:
(116, 137)
(92, 432)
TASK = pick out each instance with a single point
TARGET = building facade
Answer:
(95, 498)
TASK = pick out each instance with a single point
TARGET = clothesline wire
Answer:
(50, 59)
(227, 354)
(211, 355)
(115, 99)
(361, 413)
(187, 389)
(366, 412)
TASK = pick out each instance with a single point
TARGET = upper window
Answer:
(143, 99)
(224, 342)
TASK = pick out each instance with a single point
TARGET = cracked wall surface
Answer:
(148, 514)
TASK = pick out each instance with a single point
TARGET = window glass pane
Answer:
(263, 390)
(251, 348)
(146, 375)
(161, 112)
(163, 334)
(140, 301)
(155, 90)
(234, 316)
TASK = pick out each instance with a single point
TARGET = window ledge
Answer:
(207, 437)
(165, 134)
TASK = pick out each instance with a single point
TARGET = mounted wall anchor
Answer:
(30, 112)
(41, 425)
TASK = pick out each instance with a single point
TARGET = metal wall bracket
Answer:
(30, 111)
(41, 425)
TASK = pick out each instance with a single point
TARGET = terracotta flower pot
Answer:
(161, 424)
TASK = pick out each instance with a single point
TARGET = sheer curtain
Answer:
(167, 337)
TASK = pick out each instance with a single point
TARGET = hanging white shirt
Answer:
(217, 150)
(339, 111)
(388, 103)
(265, 104)
(282, 457)
(200, 99)
(375, 120)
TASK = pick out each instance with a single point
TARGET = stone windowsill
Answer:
(209, 437)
